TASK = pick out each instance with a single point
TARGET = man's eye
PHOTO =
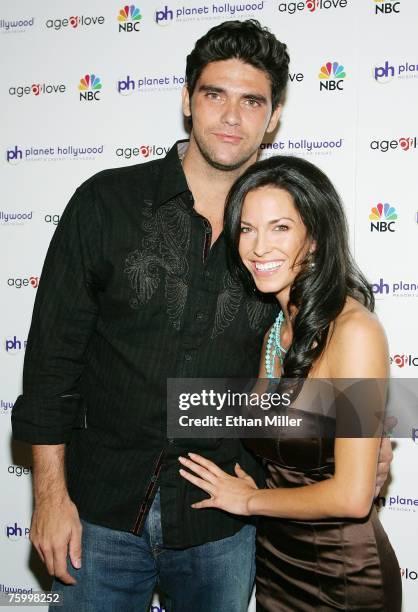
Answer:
(213, 95)
(245, 230)
(252, 102)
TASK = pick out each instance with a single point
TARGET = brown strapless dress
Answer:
(325, 564)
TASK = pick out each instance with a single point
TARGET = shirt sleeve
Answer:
(63, 321)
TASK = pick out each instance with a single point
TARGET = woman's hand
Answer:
(226, 492)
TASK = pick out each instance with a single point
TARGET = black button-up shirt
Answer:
(130, 295)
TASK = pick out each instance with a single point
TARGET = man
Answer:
(135, 289)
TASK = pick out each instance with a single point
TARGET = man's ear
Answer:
(185, 98)
(274, 119)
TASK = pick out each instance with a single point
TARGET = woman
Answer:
(320, 544)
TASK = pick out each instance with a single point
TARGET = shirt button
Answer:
(188, 357)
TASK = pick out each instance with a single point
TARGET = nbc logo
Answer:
(89, 87)
(383, 217)
(386, 7)
(331, 76)
(129, 18)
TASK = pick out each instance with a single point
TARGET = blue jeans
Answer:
(120, 571)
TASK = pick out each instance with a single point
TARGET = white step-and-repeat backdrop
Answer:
(87, 85)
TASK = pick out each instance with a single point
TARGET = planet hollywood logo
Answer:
(404, 361)
(55, 153)
(37, 89)
(18, 283)
(386, 73)
(386, 7)
(166, 15)
(397, 503)
(406, 143)
(6, 407)
(15, 531)
(398, 289)
(311, 6)
(14, 345)
(17, 217)
(331, 77)
(303, 146)
(90, 87)
(382, 218)
(16, 25)
(74, 22)
(148, 83)
(129, 19)
(143, 151)
(5, 588)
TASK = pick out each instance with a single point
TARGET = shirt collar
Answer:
(172, 180)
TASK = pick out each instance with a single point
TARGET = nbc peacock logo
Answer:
(331, 76)
(129, 18)
(382, 218)
(90, 87)
(386, 7)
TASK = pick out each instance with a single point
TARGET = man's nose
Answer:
(231, 112)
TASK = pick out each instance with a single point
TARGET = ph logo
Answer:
(90, 87)
(13, 345)
(126, 86)
(387, 8)
(380, 288)
(164, 16)
(331, 76)
(380, 212)
(14, 156)
(129, 19)
(384, 74)
(15, 532)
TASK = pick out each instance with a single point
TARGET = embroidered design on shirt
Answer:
(164, 247)
(259, 312)
(228, 304)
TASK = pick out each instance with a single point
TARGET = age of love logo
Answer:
(331, 77)
(18, 283)
(129, 19)
(74, 22)
(404, 361)
(311, 6)
(382, 218)
(386, 7)
(144, 151)
(90, 87)
(406, 143)
(37, 89)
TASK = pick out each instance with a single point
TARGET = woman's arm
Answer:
(357, 349)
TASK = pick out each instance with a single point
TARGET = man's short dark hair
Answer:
(244, 40)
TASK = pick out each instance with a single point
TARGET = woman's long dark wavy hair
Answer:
(319, 291)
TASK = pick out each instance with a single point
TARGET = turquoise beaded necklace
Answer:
(274, 348)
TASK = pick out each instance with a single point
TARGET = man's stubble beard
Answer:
(209, 158)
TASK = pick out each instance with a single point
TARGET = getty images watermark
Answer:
(257, 408)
